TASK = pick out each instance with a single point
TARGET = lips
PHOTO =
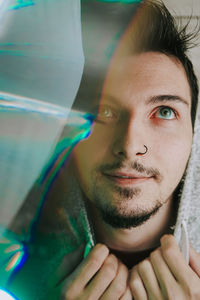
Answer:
(126, 178)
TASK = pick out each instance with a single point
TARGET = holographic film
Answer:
(13, 254)
(54, 56)
(5, 295)
(41, 64)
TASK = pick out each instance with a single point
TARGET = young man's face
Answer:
(145, 102)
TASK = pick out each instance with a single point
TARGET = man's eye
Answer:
(165, 112)
(105, 113)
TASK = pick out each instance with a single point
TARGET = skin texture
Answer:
(131, 116)
(163, 275)
(100, 276)
(166, 275)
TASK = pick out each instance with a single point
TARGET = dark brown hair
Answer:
(158, 31)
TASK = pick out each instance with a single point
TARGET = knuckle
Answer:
(169, 247)
(193, 291)
(88, 297)
(134, 281)
(167, 239)
(97, 256)
(127, 295)
(101, 248)
(69, 295)
(143, 265)
(154, 254)
(110, 272)
(121, 279)
(122, 268)
(112, 260)
(169, 252)
(134, 284)
(95, 260)
(172, 293)
(111, 266)
(120, 288)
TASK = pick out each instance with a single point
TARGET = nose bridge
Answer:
(131, 137)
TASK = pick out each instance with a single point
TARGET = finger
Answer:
(118, 285)
(194, 261)
(167, 282)
(102, 279)
(136, 285)
(149, 279)
(84, 273)
(127, 295)
(187, 278)
(175, 260)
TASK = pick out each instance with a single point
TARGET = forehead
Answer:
(145, 75)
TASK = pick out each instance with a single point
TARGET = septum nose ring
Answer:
(143, 153)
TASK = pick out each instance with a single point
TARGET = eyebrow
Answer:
(163, 98)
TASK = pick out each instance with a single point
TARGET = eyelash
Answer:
(158, 109)
(102, 119)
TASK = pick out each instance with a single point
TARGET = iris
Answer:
(166, 113)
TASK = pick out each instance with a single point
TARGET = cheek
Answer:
(173, 153)
(92, 150)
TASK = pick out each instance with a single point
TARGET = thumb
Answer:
(194, 261)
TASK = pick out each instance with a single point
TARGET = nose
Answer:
(131, 141)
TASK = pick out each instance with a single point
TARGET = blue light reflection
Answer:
(6, 295)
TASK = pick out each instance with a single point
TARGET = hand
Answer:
(166, 275)
(100, 276)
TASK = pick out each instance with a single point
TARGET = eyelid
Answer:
(114, 115)
(164, 106)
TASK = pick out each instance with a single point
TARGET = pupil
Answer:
(166, 112)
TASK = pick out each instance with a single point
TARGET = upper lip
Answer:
(126, 174)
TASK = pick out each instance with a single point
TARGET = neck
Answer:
(136, 239)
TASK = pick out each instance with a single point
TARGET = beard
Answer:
(121, 220)
(124, 207)
(119, 216)
(121, 207)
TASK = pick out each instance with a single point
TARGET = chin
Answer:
(120, 219)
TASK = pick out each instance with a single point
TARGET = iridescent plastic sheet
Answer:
(43, 91)
(41, 64)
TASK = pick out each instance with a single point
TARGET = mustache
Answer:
(135, 165)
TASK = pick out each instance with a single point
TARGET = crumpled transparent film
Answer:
(41, 61)
(41, 64)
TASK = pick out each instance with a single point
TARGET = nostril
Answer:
(121, 153)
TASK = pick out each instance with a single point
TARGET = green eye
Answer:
(105, 113)
(166, 113)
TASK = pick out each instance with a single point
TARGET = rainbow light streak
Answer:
(20, 4)
(16, 261)
(62, 150)
(121, 1)
(18, 103)
(4, 295)
(80, 123)
(12, 256)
